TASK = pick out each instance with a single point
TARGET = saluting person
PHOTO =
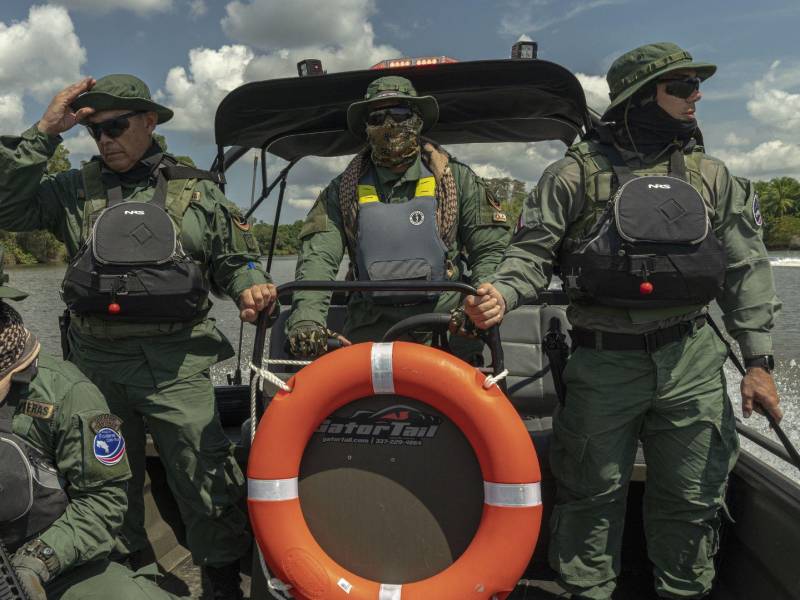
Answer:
(138, 297)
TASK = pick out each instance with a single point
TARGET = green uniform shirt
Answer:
(481, 232)
(210, 234)
(748, 299)
(65, 434)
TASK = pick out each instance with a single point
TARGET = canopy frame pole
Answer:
(282, 179)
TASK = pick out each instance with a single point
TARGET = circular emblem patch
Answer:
(757, 211)
(109, 446)
(416, 217)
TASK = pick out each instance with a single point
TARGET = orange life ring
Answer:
(502, 547)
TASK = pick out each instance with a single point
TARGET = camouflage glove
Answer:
(460, 324)
(308, 339)
(32, 574)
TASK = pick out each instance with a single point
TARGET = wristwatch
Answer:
(38, 549)
(765, 361)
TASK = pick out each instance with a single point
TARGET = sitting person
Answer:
(63, 474)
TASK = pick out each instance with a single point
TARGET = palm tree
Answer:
(781, 196)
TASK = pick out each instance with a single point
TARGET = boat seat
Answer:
(530, 384)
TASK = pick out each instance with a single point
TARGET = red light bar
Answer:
(422, 61)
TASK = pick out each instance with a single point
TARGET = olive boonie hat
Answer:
(391, 87)
(117, 92)
(6, 291)
(635, 69)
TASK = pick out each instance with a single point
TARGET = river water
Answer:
(42, 308)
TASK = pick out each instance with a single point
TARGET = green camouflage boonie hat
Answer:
(635, 69)
(6, 291)
(117, 92)
(391, 87)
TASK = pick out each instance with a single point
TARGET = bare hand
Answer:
(759, 393)
(487, 308)
(59, 116)
(255, 299)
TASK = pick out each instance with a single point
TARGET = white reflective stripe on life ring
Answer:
(272, 490)
(512, 494)
(382, 370)
(389, 591)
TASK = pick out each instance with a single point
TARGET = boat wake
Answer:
(784, 262)
(787, 379)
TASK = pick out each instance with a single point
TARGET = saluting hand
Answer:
(59, 116)
(487, 308)
(759, 393)
(255, 299)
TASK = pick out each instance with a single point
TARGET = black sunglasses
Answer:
(397, 113)
(113, 128)
(682, 88)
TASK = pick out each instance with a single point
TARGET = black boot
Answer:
(224, 583)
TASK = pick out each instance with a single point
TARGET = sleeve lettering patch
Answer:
(37, 410)
(109, 447)
(757, 211)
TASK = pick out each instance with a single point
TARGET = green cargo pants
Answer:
(673, 400)
(197, 457)
(102, 580)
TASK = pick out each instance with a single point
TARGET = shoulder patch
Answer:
(105, 421)
(757, 217)
(37, 410)
(492, 200)
(244, 226)
(499, 217)
(109, 446)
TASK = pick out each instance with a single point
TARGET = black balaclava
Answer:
(644, 127)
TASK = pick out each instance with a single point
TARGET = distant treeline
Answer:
(780, 207)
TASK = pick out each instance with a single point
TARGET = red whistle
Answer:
(646, 288)
(114, 308)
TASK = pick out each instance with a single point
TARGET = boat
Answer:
(400, 512)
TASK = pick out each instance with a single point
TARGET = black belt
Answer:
(647, 342)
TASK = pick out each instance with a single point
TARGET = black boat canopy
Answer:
(479, 101)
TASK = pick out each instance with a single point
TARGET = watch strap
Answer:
(765, 361)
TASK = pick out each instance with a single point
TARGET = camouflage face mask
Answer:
(395, 144)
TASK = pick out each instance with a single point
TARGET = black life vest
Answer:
(652, 247)
(31, 493)
(132, 266)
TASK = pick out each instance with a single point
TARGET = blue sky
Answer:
(192, 52)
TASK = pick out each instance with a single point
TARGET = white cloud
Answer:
(80, 144)
(303, 204)
(732, 139)
(772, 101)
(141, 7)
(40, 55)
(530, 17)
(596, 89)
(195, 93)
(197, 8)
(769, 159)
(524, 162)
(12, 113)
(276, 24)
(345, 41)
